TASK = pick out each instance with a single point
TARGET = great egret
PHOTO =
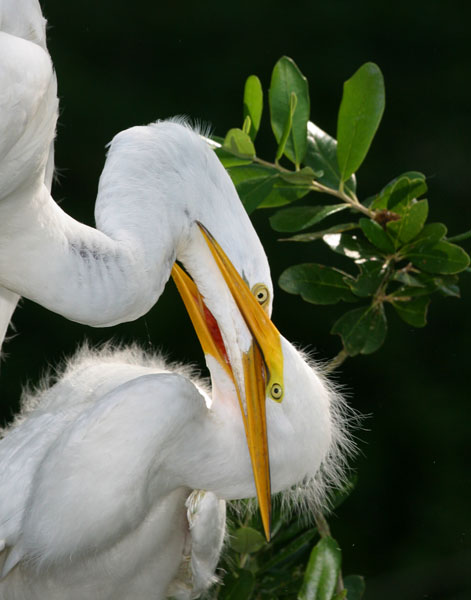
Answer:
(19, 100)
(113, 481)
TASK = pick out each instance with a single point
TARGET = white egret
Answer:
(113, 481)
(21, 158)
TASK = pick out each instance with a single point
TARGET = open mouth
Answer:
(204, 323)
(262, 362)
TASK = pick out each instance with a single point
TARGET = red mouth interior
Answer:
(215, 332)
(213, 328)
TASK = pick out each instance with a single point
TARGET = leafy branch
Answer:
(385, 255)
(391, 255)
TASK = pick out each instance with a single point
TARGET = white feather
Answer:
(100, 468)
(114, 479)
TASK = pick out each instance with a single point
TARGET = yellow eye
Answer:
(276, 392)
(260, 291)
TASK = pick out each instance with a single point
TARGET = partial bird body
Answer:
(28, 116)
(114, 483)
(100, 470)
(85, 470)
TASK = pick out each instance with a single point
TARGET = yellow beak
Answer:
(263, 362)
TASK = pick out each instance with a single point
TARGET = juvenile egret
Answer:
(113, 480)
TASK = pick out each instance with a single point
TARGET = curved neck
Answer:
(157, 182)
(72, 269)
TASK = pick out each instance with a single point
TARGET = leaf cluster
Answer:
(299, 561)
(384, 253)
(392, 255)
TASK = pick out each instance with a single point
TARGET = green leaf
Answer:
(304, 176)
(253, 104)
(229, 160)
(246, 540)
(316, 235)
(254, 192)
(258, 185)
(238, 587)
(400, 191)
(239, 143)
(321, 156)
(293, 100)
(413, 312)
(432, 232)
(405, 190)
(377, 236)
(284, 528)
(351, 246)
(247, 125)
(244, 173)
(407, 278)
(322, 571)
(408, 292)
(362, 330)
(447, 285)
(289, 552)
(355, 586)
(441, 257)
(286, 79)
(421, 284)
(359, 116)
(281, 195)
(411, 222)
(369, 280)
(316, 283)
(279, 585)
(302, 217)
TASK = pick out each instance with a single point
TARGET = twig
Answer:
(349, 198)
(336, 361)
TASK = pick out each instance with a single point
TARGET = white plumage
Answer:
(113, 481)
(28, 113)
(99, 473)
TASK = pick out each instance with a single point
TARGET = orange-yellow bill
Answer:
(203, 321)
(259, 323)
(263, 362)
(256, 432)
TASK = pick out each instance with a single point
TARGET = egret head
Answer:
(194, 215)
(254, 363)
(270, 376)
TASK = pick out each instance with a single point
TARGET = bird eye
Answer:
(276, 391)
(260, 291)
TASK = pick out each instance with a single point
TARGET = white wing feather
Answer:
(28, 110)
(102, 437)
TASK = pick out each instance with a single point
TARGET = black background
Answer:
(122, 63)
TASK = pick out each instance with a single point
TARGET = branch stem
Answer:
(349, 198)
(336, 361)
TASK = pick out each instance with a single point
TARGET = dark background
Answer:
(122, 63)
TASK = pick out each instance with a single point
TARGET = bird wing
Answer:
(206, 516)
(21, 452)
(28, 111)
(102, 463)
